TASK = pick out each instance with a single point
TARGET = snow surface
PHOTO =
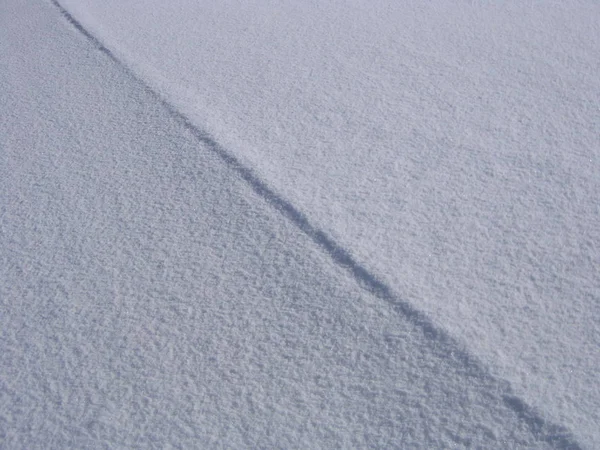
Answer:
(299, 224)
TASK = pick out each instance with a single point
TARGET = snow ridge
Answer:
(446, 346)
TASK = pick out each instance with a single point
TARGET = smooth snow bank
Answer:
(453, 146)
(151, 298)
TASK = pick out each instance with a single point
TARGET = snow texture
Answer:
(285, 224)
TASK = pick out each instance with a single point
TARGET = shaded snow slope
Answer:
(453, 146)
(153, 296)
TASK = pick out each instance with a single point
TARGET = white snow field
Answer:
(299, 224)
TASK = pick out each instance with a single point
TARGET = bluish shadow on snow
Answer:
(557, 436)
(445, 346)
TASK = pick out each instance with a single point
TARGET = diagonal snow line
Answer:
(446, 346)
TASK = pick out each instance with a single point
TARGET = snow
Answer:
(299, 224)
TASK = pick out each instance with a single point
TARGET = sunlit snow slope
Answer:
(388, 239)
(453, 147)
